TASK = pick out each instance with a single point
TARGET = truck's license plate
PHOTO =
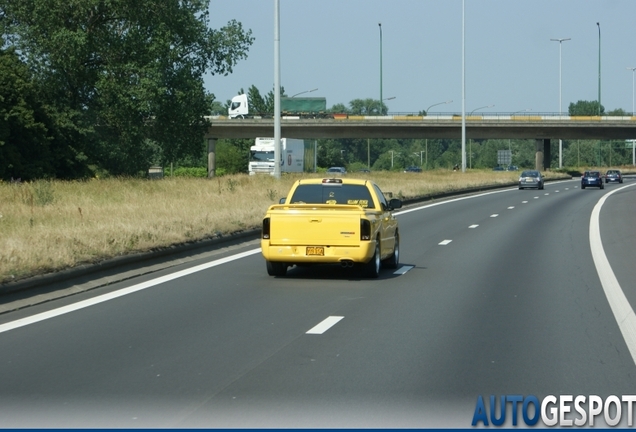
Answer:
(315, 250)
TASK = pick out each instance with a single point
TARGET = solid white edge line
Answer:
(119, 293)
(324, 325)
(623, 312)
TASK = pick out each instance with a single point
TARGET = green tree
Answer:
(585, 108)
(338, 108)
(123, 75)
(24, 142)
(366, 107)
(619, 112)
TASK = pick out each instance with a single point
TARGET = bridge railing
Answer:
(457, 117)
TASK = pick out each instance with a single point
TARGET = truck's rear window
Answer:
(332, 194)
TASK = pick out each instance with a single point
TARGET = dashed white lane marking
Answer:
(494, 215)
(324, 325)
(623, 312)
(473, 226)
(547, 193)
(403, 269)
(524, 202)
(556, 191)
(444, 242)
(567, 188)
(536, 197)
(511, 207)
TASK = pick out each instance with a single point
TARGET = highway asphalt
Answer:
(497, 293)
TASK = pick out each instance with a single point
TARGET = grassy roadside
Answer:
(47, 226)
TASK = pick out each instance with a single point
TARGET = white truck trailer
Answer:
(292, 153)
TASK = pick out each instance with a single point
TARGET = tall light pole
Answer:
(380, 27)
(560, 41)
(463, 88)
(440, 103)
(277, 149)
(303, 92)
(599, 72)
(632, 69)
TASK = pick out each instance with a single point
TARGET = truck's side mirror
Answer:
(282, 201)
(395, 203)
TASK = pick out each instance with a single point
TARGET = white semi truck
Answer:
(262, 161)
(298, 107)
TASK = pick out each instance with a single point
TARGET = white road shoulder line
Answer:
(119, 293)
(623, 312)
(325, 325)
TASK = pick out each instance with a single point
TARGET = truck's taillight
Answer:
(365, 230)
(265, 233)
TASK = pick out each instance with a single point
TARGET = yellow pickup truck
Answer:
(332, 220)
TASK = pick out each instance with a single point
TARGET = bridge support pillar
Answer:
(538, 158)
(211, 157)
(542, 157)
(547, 155)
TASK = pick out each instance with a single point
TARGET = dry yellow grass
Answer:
(48, 226)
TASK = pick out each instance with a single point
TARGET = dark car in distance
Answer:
(592, 178)
(531, 179)
(613, 175)
(413, 169)
(336, 170)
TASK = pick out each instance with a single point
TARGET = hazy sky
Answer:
(510, 62)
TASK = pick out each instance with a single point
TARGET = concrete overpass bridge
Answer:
(541, 128)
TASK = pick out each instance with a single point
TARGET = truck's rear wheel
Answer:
(372, 268)
(276, 268)
(394, 260)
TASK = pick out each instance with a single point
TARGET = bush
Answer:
(190, 172)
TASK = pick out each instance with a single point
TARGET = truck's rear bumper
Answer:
(297, 254)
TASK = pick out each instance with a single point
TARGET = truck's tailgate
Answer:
(315, 227)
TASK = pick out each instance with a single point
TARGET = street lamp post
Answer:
(632, 69)
(380, 27)
(420, 154)
(303, 92)
(560, 43)
(440, 103)
(599, 86)
(560, 105)
(599, 72)
(382, 103)
(477, 109)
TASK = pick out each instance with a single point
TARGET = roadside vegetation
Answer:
(47, 226)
